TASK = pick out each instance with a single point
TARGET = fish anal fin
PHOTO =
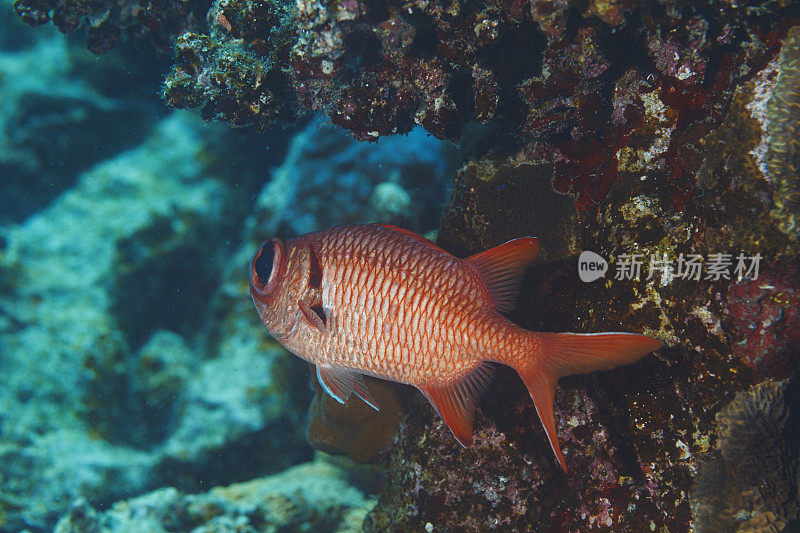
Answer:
(542, 389)
(409, 233)
(502, 268)
(340, 383)
(456, 402)
(315, 316)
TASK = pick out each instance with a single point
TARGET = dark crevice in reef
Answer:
(516, 53)
(251, 456)
(426, 41)
(363, 52)
(168, 289)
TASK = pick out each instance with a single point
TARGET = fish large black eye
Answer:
(263, 262)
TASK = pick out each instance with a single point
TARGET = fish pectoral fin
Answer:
(502, 268)
(341, 382)
(315, 316)
(456, 402)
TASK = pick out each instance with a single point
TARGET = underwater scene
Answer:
(399, 266)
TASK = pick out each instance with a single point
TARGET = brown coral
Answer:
(753, 484)
(355, 428)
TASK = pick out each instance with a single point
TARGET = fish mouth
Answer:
(261, 308)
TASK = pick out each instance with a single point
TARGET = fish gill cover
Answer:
(130, 358)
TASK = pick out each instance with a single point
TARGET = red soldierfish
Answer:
(382, 301)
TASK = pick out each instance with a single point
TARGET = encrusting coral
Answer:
(238, 72)
(764, 320)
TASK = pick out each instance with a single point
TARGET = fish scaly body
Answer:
(382, 301)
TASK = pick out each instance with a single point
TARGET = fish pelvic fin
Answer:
(340, 383)
(561, 354)
(456, 402)
(502, 268)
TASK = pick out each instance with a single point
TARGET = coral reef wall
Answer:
(691, 179)
(659, 132)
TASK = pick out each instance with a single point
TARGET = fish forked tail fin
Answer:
(562, 354)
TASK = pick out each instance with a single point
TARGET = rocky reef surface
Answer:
(313, 496)
(661, 135)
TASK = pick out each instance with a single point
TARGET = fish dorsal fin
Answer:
(341, 382)
(409, 233)
(456, 402)
(502, 268)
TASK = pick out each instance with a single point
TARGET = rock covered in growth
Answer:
(587, 87)
(238, 73)
(752, 484)
(765, 322)
(160, 20)
(380, 69)
(313, 496)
